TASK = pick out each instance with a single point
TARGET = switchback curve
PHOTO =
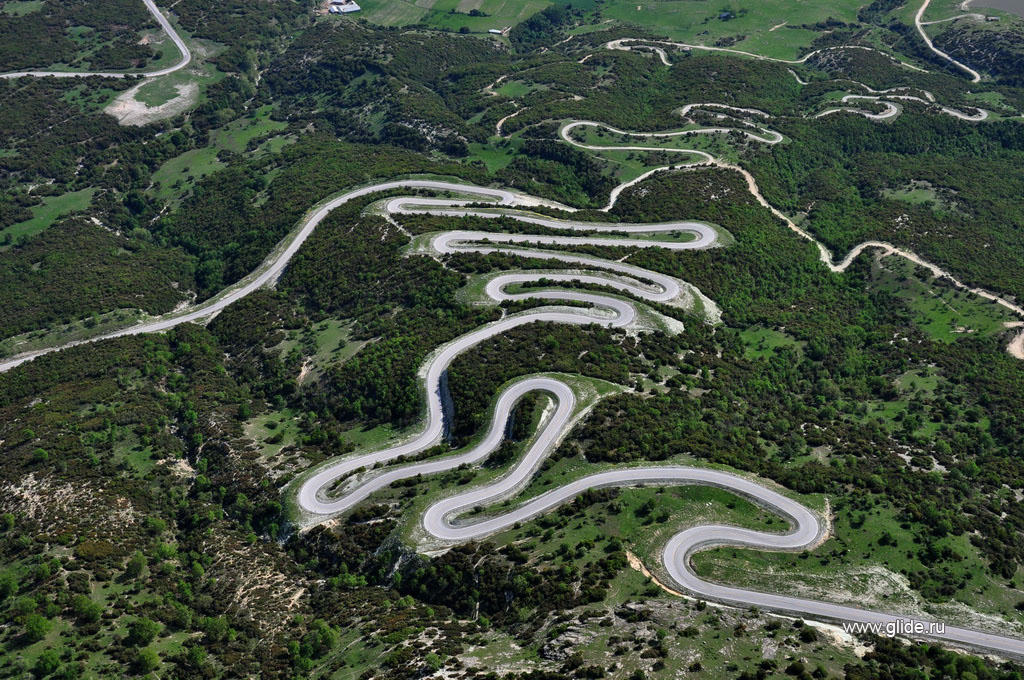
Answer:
(603, 309)
(825, 255)
(165, 24)
(919, 25)
(318, 496)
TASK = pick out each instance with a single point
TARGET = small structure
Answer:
(343, 6)
(495, 31)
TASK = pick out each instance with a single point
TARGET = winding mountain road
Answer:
(825, 255)
(268, 272)
(919, 24)
(339, 485)
(657, 46)
(440, 520)
(653, 45)
(165, 24)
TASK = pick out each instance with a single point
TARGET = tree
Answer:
(319, 640)
(46, 663)
(215, 627)
(36, 627)
(141, 632)
(135, 565)
(86, 610)
(8, 586)
(146, 660)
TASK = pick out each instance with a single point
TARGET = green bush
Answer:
(141, 632)
(37, 627)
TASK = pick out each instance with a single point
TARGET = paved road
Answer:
(339, 485)
(769, 136)
(604, 310)
(319, 498)
(186, 57)
(975, 76)
(704, 236)
(440, 519)
(891, 109)
(837, 266)
(647, 44)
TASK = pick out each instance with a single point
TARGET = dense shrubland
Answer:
(167, 428)
(107, 36)
(111, 272)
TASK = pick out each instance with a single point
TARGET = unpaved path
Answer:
(645, 44)
(1016, 347)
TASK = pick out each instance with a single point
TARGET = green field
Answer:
(943, 312)
(176, 176)
(517, 88)
(49, 211)
(919, 193)
(501, 14)
(20, 8)
(495, 158)
(865, 563)
(236, 135)
(763, 342)
(159, 91)
(767, 27)
(771, 27)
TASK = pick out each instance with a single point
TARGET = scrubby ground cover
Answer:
(879, 389)
(78, 35)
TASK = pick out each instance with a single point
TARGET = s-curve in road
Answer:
(703, 236)
(600, 309)
(772, 137)
(337, 486)
(440, 521)
(186, 57)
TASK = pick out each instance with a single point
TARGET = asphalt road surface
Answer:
(339, 485)
(186, 57)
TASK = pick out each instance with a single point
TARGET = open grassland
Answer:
(19, 8)
(47, 212)
(873, 560)
(1011, 6)
(761, 343)
(176, 176)
(494, 157)
(237, 135)
(159, 91)
(767, 27)
(943, 312)
(451, 14)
